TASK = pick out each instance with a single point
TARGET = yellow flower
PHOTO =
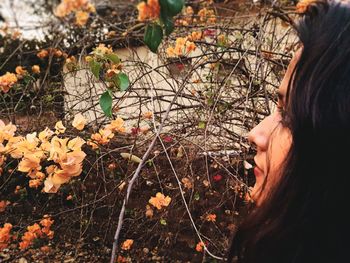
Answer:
(36, 69)
(159, 201)
(88, 59)
(102, 50)
(59, 127)
(79, 121)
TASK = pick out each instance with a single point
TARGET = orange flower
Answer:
(6, 131)
(211, 218)
(302, 5)
(196, 35)
(7, 81)
(75, 144)
(127, 244)
(149, 10)
(35, 183)
(200, 246)
(45, 249)
(103, 136)
(5, 236)
(47, 222)
(59, 127)
(81, 18)
(159, 201)
(116, 125)
(20, 71)
(49, 186)
(79, 121)
(36, 69)
(190, 46)
(148, 115)
(42, 54)
(3, 205)
(29, 164)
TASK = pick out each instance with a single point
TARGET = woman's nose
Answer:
(260, 134)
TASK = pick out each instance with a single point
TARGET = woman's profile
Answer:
(302, 172)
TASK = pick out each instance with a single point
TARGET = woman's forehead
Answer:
(284, 84)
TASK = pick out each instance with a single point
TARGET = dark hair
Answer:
(304, 218)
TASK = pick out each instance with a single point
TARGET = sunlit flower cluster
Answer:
(81, 9)
(65, 155)
(7, 81)
(148, 10)
(5, 236)
(36, 231)
(104, 135)
(183, 46)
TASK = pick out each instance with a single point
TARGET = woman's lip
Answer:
(258, 172)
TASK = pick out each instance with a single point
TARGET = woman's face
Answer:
(272, 141)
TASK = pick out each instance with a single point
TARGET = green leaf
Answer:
(168, 24)
(123, 81)
(106, 103)
(163, 222)
(171, 7)
(95, 68)
(196, 196)
(153, 37)
(201, 125)
(113, 58)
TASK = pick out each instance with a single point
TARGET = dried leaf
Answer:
(131, 157)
